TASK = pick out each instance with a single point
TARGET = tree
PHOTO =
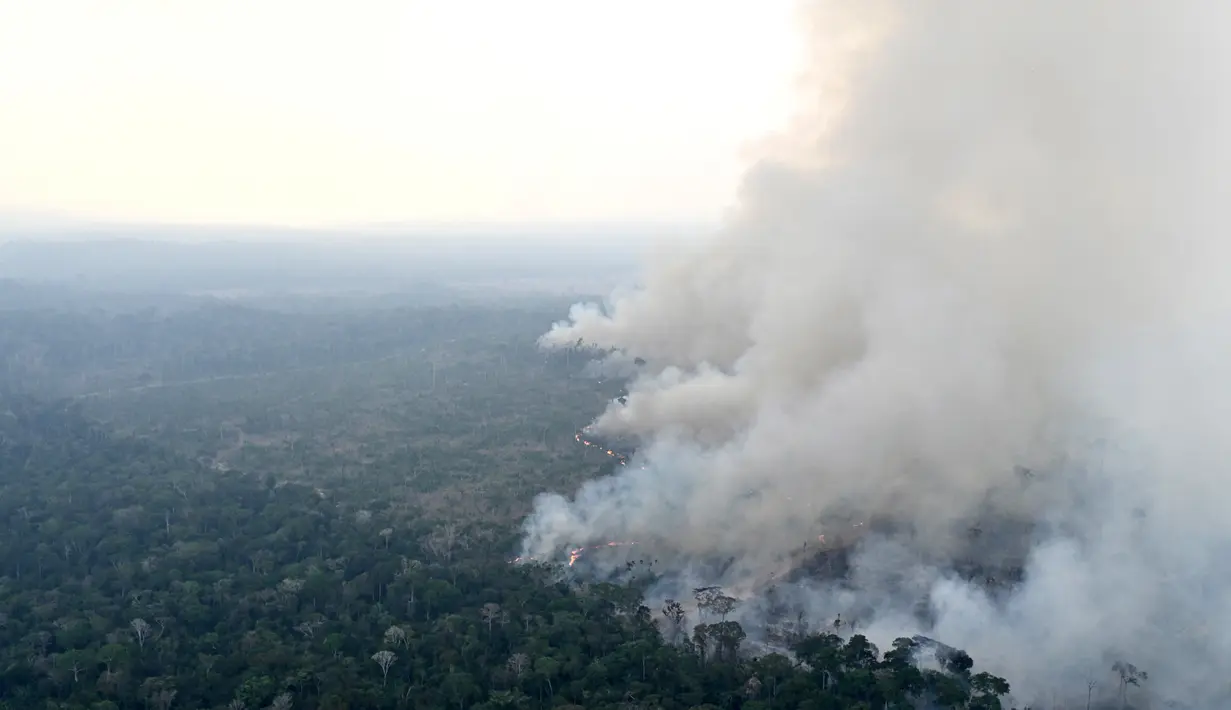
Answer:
(860, 653)
(904, 677)
(385, 660)
(159, 692)
(141, 631)
(752, 688)
(395, 636)
(460, 687)
(1129, 675)
(700, 640)
(74, 662)
(308, 628)
(674, 612)
(546, 668)
(822, 652)
(705, 597)
(111, 655)
(444, 541)
(986, 691)
(722, 605)
(517, 664)
(773, 670)
(728, 635)
(956, 661)
(490, 612)
(902, 654)
(290, 587)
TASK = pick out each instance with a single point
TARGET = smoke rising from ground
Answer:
(992, 240)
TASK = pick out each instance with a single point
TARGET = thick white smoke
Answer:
(994, 236)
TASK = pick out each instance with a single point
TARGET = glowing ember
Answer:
(621, 459)
(574, 555)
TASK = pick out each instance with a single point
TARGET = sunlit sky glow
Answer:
(304, 113)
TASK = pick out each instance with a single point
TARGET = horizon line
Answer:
(53, 221)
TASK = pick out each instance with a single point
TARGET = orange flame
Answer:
(574, 555)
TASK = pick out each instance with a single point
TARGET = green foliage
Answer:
(134, 578)
(269, 510)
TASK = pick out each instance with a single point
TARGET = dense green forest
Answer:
(230, 506)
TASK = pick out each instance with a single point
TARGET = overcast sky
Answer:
(304, 113)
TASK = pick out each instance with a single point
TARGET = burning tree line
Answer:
(851, 672)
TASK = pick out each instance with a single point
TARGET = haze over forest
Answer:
(266, 260)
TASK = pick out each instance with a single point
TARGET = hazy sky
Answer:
(307, 113)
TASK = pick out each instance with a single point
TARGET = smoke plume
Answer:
(976, 282)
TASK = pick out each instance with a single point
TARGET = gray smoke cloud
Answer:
(993, 238)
